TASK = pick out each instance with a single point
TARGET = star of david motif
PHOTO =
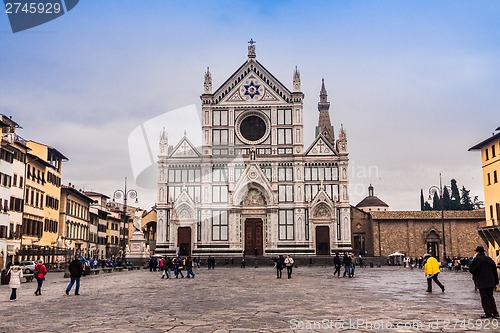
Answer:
(251, 89)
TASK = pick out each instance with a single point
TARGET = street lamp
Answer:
(118, 194)
(439, 190)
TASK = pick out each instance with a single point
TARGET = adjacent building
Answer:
(113, 240)
(378, 232)
(98, 211)
(372, 203)
(149, 227)
(253, 187)
(13, 151)
(74, 221)
(490, 164)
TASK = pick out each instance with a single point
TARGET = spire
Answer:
(163, 142)
(208, 82)
(323, 96)
(251, 49)
(324, 123)
(342, 141)
(370, 190)
(296, 80)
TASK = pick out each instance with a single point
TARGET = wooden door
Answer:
(184, 241)
(323, 241)
(254, 243)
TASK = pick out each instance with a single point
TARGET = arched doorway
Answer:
(432, 243)
(254, 244)
(184, 241)
(253, 205)
(322, 240)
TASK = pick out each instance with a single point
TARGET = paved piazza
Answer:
(249, 300)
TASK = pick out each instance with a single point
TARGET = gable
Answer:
(252, 89)
(252, 177)
(185, 149)
(321, 147)
(252, 83)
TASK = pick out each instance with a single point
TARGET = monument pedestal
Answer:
(138, 254)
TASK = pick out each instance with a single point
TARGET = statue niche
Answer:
(254, 198)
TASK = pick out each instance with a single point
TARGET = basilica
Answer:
(253, 188)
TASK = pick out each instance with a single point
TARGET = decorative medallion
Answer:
(251, 89)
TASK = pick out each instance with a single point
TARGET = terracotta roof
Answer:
(429, 215)
(95, 194)
(486, 142)
(372, 201)
(74, 191)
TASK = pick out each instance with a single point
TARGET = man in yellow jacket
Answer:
(431, 269)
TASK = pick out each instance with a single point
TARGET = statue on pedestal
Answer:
(137, 221)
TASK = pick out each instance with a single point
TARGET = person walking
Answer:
(166, 268)
(211, 262)
(353, 266)
(189, 267)
(39, 274)
(279, 266)
(347, 265)
(76, 272)
(431, 269)
(484, 270)
(161, 264)
(16, 274)
(337, 263)
(179, 267)
(289, 265)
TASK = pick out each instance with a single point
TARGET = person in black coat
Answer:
(337, 263)
(76, 272)
(484, 270)
(279, 263)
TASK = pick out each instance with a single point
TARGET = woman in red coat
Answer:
(39, 274)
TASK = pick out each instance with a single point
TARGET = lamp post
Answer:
(439, 190)
(132, 194)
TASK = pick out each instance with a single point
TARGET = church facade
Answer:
(253, 188)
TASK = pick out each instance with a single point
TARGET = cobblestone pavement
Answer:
(249, 300)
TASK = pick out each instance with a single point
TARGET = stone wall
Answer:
(362, 224)
(409, 231)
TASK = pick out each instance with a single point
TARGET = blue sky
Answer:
(414, 83)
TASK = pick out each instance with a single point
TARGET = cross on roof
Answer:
(321, 144)
(251, 42)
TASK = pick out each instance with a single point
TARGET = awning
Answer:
(490, 235)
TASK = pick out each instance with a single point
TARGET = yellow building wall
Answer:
(31, 210)
(490, 166)
(38, 149)
(52, 190)
(491, 187)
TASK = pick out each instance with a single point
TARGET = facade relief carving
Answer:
(254, 198)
